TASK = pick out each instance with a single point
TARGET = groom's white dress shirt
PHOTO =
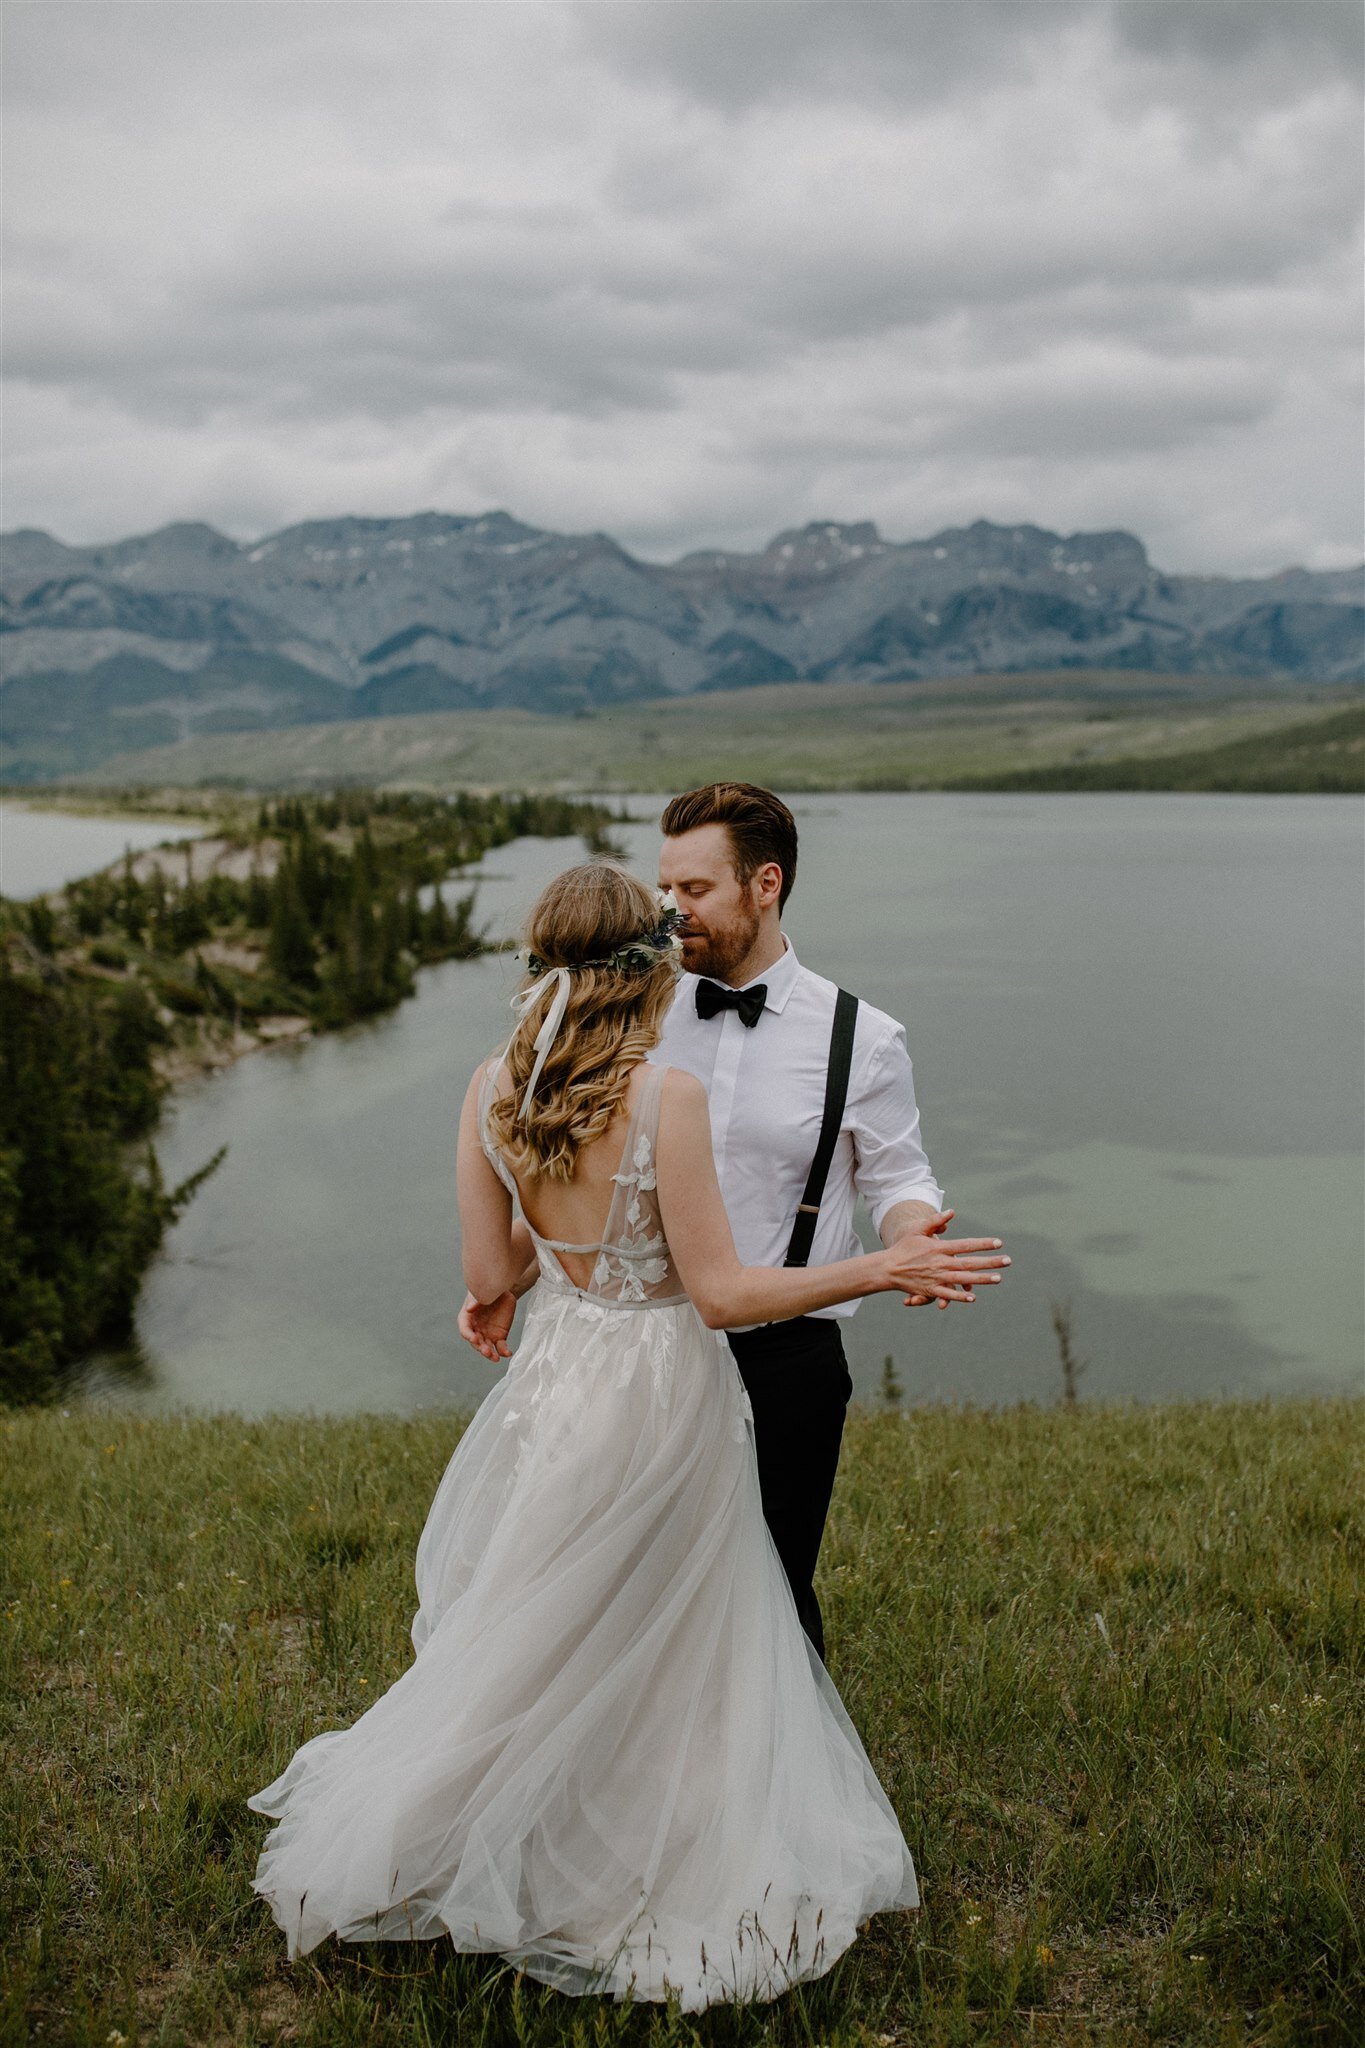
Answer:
(766, 1086)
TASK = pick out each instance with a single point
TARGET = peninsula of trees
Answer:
(303, 914)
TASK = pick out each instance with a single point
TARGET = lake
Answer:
(42, 850)
(1136, 1024)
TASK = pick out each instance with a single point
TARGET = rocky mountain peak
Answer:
(822, 544)
(1028, 549)
(184, 540)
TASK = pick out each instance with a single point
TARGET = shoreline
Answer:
(296, 917)
(235, 853)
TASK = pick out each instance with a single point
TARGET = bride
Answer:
(615, 1758)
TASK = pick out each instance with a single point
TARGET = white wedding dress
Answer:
(615, 1757)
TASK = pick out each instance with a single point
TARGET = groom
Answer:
(758, 1030)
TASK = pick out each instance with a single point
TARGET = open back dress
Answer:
(615, 1758)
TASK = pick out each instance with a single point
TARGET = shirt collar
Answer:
(779, 979)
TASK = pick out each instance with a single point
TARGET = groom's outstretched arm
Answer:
(908, 1216)
(891, 1168)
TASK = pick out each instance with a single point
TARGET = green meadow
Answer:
(1046, 727)
(1107, 1661)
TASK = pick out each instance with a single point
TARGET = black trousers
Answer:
(799, 1386)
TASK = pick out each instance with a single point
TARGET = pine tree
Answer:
(436, 926)
(392, 979)
(290, 950)
(257, 899)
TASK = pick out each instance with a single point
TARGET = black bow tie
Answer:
(713, 997)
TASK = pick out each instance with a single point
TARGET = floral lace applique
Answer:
(639, 1260)
(661, 1360)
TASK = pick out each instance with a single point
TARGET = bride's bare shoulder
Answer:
(490, 1075)
(682, 1092)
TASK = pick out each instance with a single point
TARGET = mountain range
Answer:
(186, 631)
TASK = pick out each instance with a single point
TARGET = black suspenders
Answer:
(836, 1094)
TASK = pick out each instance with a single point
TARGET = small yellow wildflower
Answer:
(1043, 1952)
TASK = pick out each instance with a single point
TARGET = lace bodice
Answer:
(634, 1268)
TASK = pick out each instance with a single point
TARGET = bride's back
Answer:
(577, 1211)
(601, 1227)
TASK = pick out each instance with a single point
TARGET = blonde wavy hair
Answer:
(613, 1018)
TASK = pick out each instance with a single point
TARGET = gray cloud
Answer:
(1218, 39)
(862, 51)
(691, 272)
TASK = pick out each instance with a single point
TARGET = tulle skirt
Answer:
(615, 1758)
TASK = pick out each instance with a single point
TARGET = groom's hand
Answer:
(922, 1263)
(915, 1219)
(487, 1324)
(930, 1229)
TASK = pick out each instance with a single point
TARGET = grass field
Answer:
(1321, 755)
(790, 736)
(1107, 1661)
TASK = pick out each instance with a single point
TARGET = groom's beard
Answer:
(718, 952)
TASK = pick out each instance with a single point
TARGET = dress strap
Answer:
(644, 1122)
(488, 1095)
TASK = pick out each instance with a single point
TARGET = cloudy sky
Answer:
(690, 272)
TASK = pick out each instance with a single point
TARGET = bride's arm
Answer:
(493, 1248)
(727, 1294)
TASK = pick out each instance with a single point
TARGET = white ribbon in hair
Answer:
(553, 1018)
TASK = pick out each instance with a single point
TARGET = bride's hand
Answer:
(486, 1325)
(927, 1267)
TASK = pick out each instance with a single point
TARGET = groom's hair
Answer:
(761, 827)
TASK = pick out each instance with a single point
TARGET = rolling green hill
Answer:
(1052, 728)
(1323, 756)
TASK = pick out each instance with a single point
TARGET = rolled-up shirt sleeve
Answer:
(890, 1163)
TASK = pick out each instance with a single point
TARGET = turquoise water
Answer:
(1136, 1023)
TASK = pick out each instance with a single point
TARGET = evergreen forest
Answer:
(322, 912)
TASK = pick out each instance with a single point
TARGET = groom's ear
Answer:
(769, 881)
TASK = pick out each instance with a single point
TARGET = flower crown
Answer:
(636, 955)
